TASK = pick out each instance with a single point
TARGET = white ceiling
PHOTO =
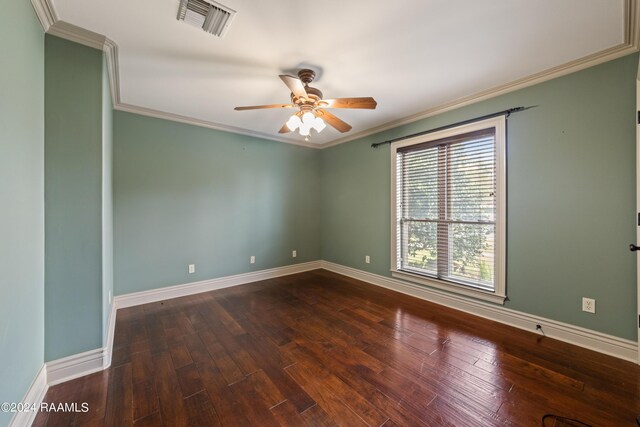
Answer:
(410, 55)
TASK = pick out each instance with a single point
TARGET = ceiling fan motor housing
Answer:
(306, 75)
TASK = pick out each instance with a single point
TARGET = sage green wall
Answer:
(107, 200)
(186, 194)
(571, 197)
(73, 188)
(21, 200)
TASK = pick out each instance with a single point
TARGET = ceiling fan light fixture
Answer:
(308, 118)
(319, 124)
(304, 130)
(294, 122)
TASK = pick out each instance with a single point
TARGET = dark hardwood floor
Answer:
(321, 349)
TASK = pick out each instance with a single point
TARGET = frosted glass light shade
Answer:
(308, 118)
(319, 124)
(304, 130)
(294, 122)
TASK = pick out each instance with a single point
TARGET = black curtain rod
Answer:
(488, 116)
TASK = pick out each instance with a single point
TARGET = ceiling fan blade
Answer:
(261, 107)
(284, 129)
(295, 86)
(366, 103)
(332, 120)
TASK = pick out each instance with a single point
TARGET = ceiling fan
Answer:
(312, 113)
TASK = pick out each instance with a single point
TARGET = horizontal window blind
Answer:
(446, 208)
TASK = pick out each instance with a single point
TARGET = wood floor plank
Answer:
(142, 366)
(137, 331)
(201, 411)
(227, 366)
(227, 410)
(170, 397)
(230, 344)
(517, 370)
(68, 392)
(120, 400)
(253, 405)
(333, 405)
(289, 388)
(320, 349)
(318, 417)
(197, 350)
(219, 313)
(145, 399)
(356, 398)
(258, 346)
(267, 390)
(286, 414)
(189, 380)
(153, 420)
(180, 356)
(95, 390)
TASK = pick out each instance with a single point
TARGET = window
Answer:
(448, 213)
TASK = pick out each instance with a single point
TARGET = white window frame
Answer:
(499, 294)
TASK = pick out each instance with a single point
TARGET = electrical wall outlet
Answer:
(192, 268)
(294, 254)
(589, 305)
(252, 260)
(367, 259)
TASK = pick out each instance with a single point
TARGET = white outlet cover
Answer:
(192, 268)
(589, 305)
(367, 259)
(252, 260)
(294, 254)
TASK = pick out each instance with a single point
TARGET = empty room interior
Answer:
(292, 213)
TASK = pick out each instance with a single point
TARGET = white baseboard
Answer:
(34, 395)
(111, 328)
(161, 294)
(74, 366)
(592, 340)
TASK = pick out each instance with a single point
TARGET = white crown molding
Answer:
(110, 49)
(77, 34)
(34, 395)
(204, 123)
(45, 12)
(632, 23)
(592, 340)
(50, 22)
(74, 366)
(161, 294)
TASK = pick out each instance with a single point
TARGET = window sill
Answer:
(451, 287)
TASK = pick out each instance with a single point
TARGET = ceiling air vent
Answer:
(212, 17)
